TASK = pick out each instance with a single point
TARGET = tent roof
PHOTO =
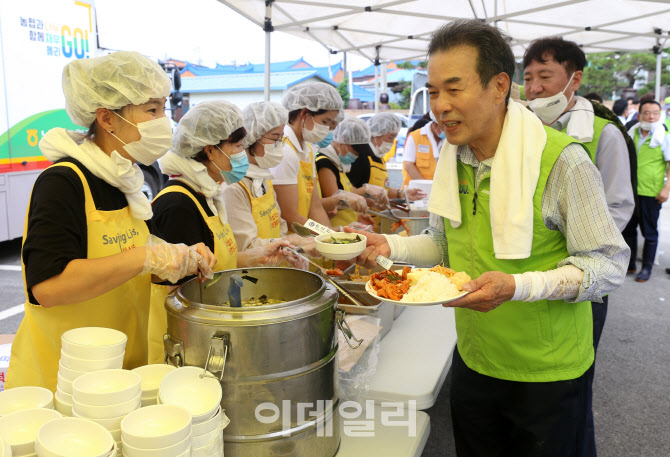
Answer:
(245, 82)
(400, 29)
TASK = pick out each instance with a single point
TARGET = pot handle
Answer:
(346, 330)
(173, 351)
(218, 353)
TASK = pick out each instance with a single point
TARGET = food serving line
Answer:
(280, 351)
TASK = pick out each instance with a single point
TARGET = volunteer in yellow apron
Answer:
(332, 164)
(313, 109)
(86, 259)
(384, 129)
(206, 150)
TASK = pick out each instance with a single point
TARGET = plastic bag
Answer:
(355, 374)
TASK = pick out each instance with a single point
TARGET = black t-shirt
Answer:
(360, 170)
(57, 232)
(323, 161)
(178, 219)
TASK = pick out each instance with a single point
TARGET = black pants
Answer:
(496, 418)
(599, 311)
(649, 209)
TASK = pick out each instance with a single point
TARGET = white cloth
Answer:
(288, 170)
(580, 125)
(329, 151)
(514, 174)
(195, 175)
(657, 136)
(258, 176)
(115, 170)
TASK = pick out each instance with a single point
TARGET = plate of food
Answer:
(418, 286)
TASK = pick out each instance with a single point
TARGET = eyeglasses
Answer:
(276, 142)
(651, 113)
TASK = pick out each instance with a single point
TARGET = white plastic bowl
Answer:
(106, 411)
(5, 448)
(62, 406)
(340, 251)
(168, 451)
(152, 375)
(66, 397)
(201, 396)
(95, 343)
(19, 429)
(204, 440)
(64, 384)
(68, 373)
(113, 423)
(106, 387)
(27, 397)
(155, 427)
(202, 428)
(73, 437)
(77, 364)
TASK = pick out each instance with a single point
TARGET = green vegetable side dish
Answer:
(334, 240)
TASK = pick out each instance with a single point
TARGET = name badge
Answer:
(424, 148)
(316, 227)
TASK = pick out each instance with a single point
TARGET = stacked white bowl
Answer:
(19, 429)
(27, 397)
(199, 392)
(73, 436)
(157, 431)
(106, 397)
(83, 350)
(152, 375)
(5, 449)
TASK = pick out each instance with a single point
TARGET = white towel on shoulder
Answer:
(657, 136)
(514, 174)
(580, 126)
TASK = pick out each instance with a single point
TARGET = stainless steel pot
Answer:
(283, 355)
(417, 223)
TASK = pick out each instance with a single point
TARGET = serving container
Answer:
(279, 357)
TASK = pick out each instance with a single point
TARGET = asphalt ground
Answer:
(631, 387)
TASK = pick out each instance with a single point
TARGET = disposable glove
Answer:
(270, 255)
(308, 244)
(351, 200)
(377, 195)
(171, 262)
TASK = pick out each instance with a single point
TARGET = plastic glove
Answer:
(171, 262)
(351, 200)
(270, 255)
(308, 244)
(414, 193)
(377, 195)
(360, 226)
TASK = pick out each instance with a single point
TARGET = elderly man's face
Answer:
(464, 108)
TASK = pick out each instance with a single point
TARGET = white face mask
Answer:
(382, 149)
(155, 141)
(317, 134)
(273, 155)
(649, 126)
(548, 109)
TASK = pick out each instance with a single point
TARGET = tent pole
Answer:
(268, 30)
(377, 81)
(384, 85)
(658, 78)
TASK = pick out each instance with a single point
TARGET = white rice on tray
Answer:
(429, 286)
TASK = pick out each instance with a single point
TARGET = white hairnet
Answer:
(260, 118)
(383, 123)
(112, 81)
(340, 116)
(206, 124)
(313, 96)
(352, 130)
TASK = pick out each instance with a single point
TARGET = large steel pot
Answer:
(417, 223)
(283, 355)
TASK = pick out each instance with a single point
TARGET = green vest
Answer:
(542, 341)
(650, 167)
(598, 125)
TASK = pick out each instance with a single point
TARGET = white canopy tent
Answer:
(387, 30)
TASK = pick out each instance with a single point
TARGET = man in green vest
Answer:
(553, 70)
(653, 154)
(533, 229)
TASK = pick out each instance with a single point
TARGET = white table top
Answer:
(414, 357)
(388, 441)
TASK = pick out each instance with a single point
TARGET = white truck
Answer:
(37, 39)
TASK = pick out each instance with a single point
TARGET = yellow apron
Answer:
(225, 250)
(36, 348)
(343, 216)
(265, 212)
(379, 176)
(305, 180)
